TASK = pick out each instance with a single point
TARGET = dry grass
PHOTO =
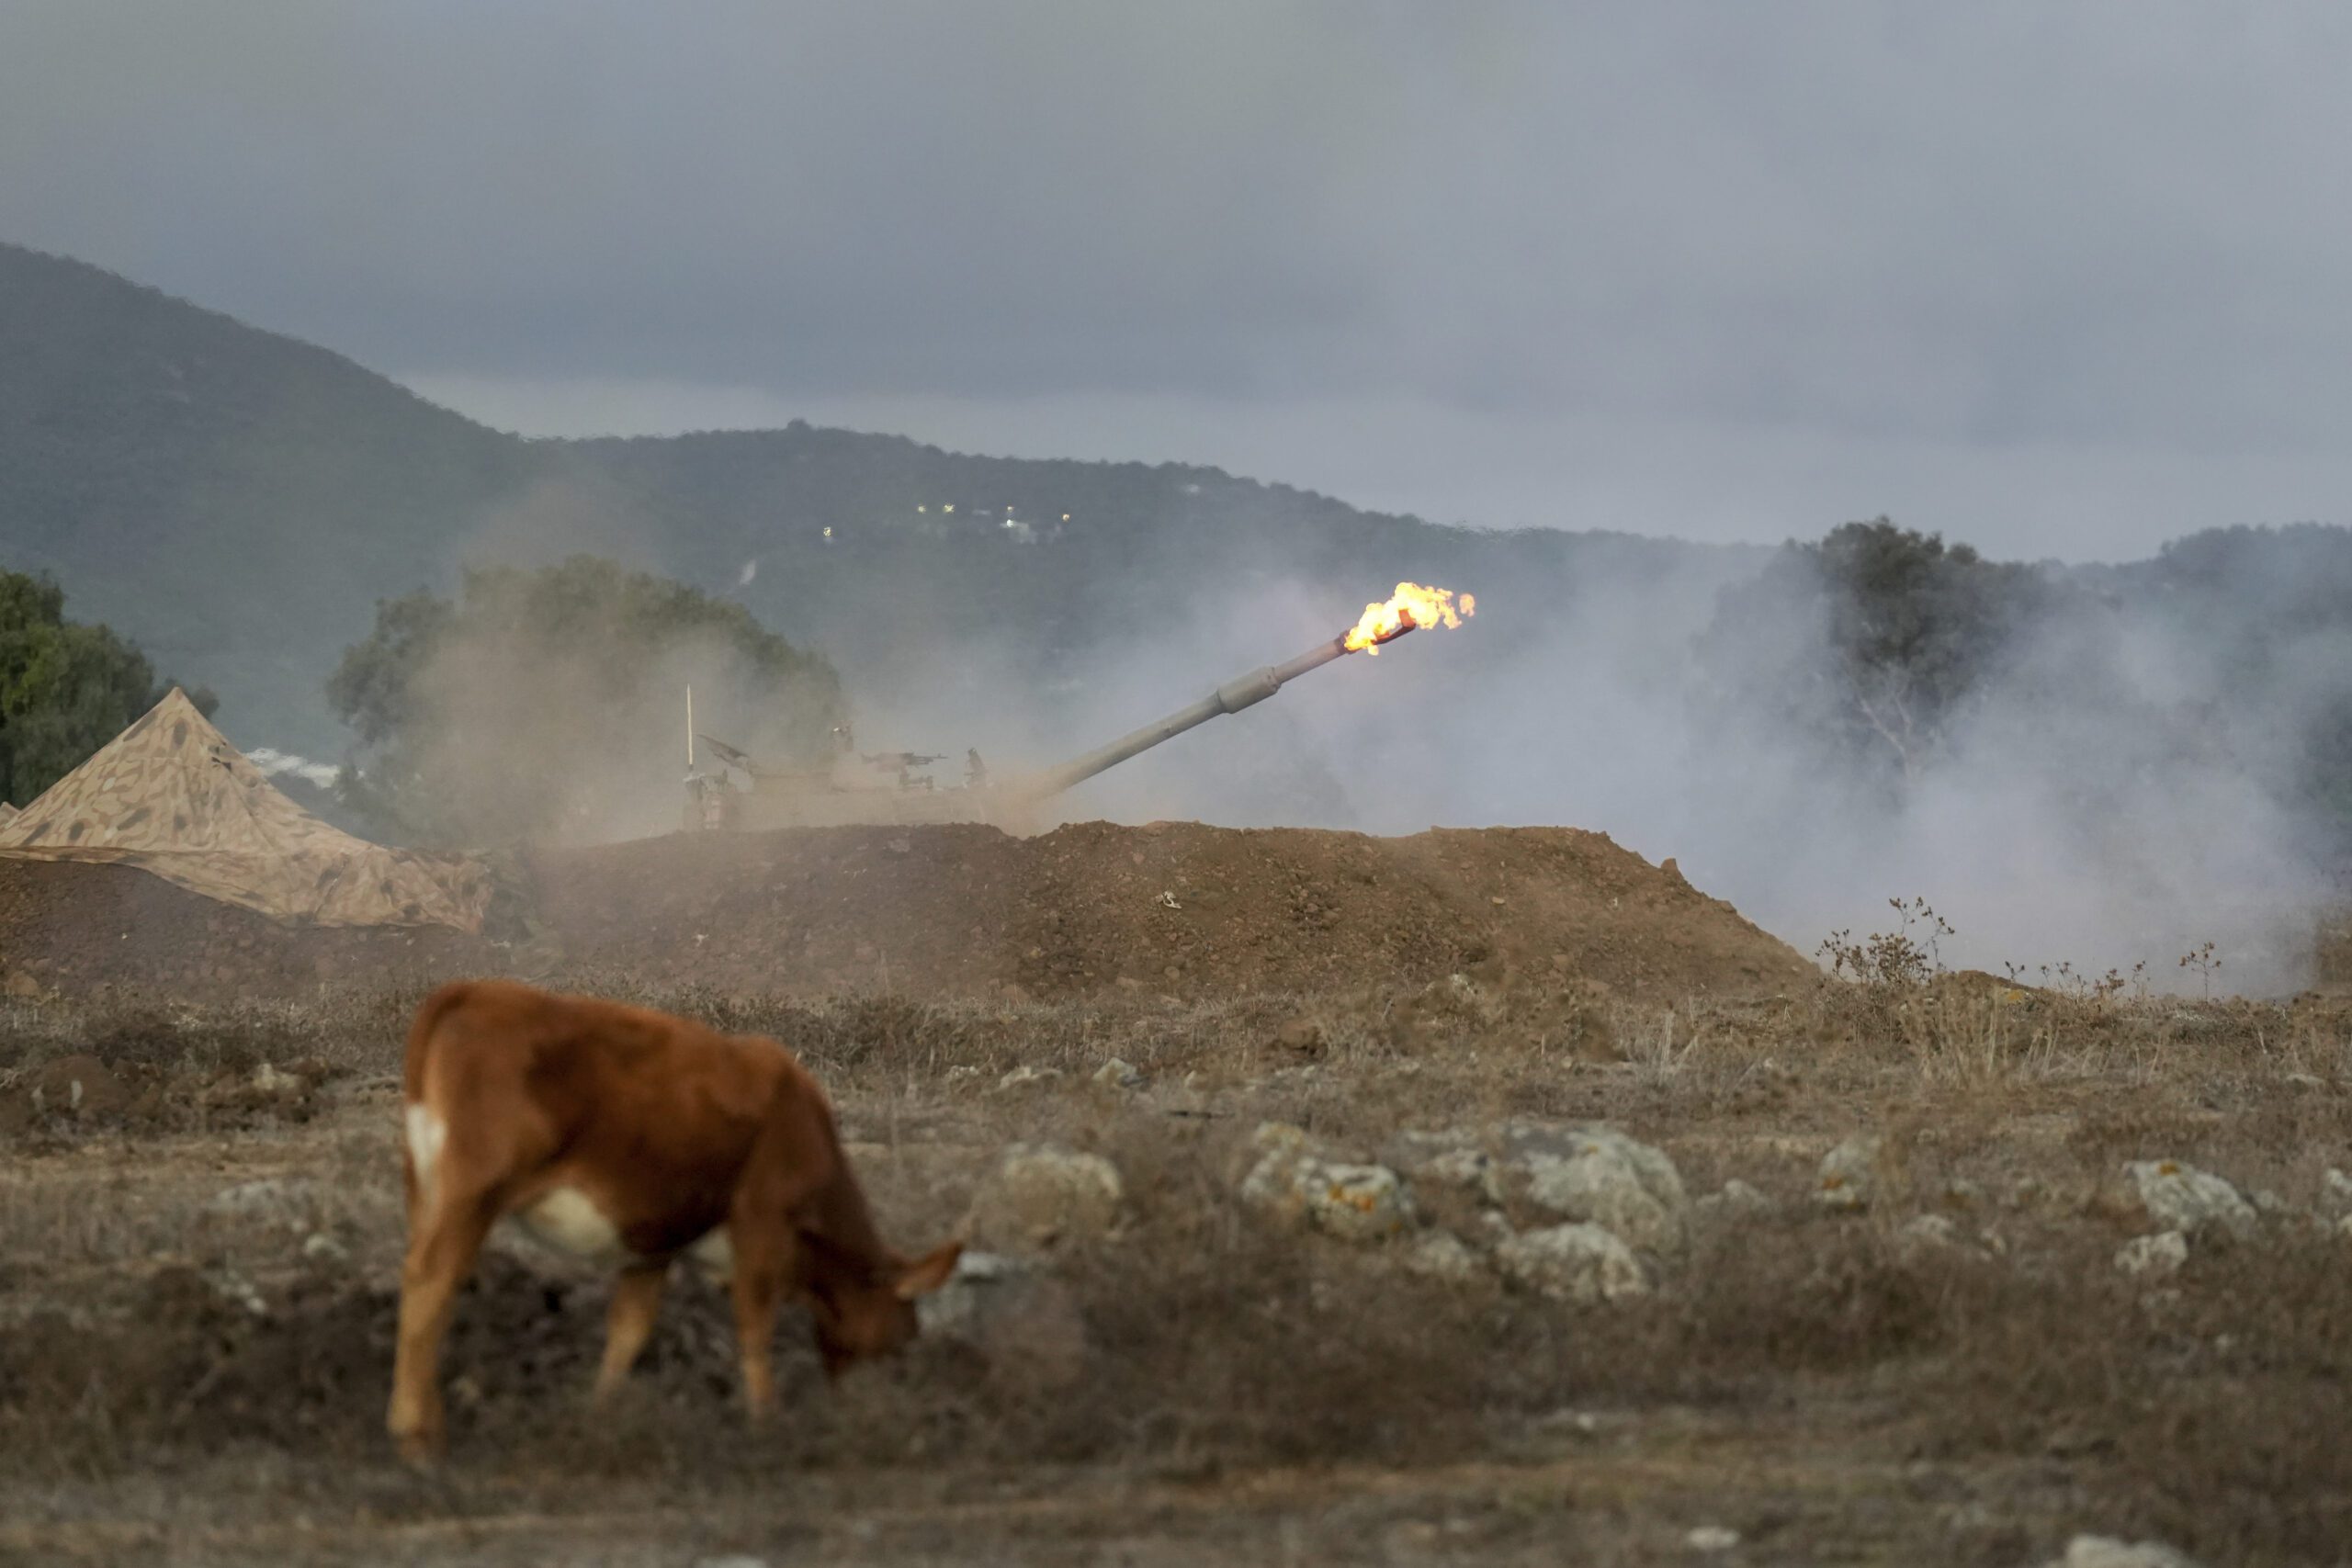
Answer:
(2203, 1410)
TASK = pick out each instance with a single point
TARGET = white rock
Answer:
(1712, 1538)
(1118, 1073)
(1599, 1175)
(1025, 1324)
(1440, 1255)
(324, 1247)
(1935, 1233)
(1736, 1200)
(1039, 1197)
(2183, 1197)
(1847, 1174)
(1448, 1158)
(1027, 1077)
(1580, 1263)
(2106, 1552)
(269, 1198)
(235, 1288)
(1474, 1170)
(2152, 1256)
(1272, 1185)
(1354, 1202)
(2336, 1192)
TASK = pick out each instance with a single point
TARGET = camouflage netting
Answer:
(8, 814)
(171, 797)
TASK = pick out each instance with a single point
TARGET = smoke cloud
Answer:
(2115, 794)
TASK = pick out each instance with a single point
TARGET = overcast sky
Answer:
(2061, 279)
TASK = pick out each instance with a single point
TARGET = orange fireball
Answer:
(1410, 606)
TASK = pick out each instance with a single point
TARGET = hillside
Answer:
(237, 500)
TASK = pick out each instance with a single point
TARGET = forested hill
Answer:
(236, 501)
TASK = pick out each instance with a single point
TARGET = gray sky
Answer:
(2062, 280)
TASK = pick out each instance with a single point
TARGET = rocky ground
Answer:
(1513, 1266)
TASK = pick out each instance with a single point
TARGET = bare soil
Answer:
(189, 1377)
(1173, 909)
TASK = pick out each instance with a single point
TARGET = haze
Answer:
(2056, 280)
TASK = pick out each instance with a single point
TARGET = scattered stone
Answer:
(1302, 1036)
(2336, 1192)
(237, 1291)
(1442, 1256)
(1580, 1263)
(2152, 1256)
(1024, 1324)
(1846, 1173)
(1599, 1175)
(1710, 1538)
(2183, 1197)
(79, 1085)
(1449, 1160)
(1043, 1197)
(737, 1560)
(272, 1198)
(2106, 1552)
(1355, 1202)
(267, 1090)
(1736, 1200)
(1117, 1073)
(1293, 1182)
(1027, 1077)
(21, 987)
(1936, 1232)
(1473, 1170)
(269, 1081)
(325, 1248)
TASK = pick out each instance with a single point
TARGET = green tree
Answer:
(549, 704)
(66, 689)
(1872, 638)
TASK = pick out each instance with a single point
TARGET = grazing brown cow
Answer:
(632, 1137)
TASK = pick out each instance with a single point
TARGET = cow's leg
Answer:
(755, 1304)
(636, 1302)
(440, 1254)
(762, 1265)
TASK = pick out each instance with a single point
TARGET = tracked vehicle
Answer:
(892, 789)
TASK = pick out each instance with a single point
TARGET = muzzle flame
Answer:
(1410, 606)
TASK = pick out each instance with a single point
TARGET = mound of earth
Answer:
(960, 911)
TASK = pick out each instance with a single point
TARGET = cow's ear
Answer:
(930, 1271)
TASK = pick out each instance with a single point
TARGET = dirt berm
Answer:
(1173, 907)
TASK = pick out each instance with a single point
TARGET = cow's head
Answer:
(862, 1313)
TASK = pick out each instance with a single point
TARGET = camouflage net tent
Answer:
(8, 814)
(171, 797)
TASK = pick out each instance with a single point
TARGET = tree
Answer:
(549, 704)
(66, 689)
(1872, 639)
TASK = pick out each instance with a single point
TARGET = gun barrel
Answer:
(1232, 697)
